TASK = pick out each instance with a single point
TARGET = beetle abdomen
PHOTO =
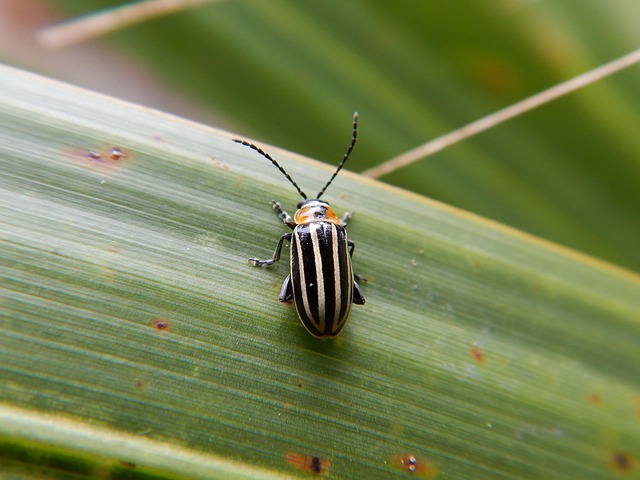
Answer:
(322, 277)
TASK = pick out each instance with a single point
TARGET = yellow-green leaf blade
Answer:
(483, 352)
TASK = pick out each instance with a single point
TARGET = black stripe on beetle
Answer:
(321, 282)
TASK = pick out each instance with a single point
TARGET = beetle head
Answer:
(310, 211)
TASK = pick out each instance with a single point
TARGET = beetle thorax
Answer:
(310, 211)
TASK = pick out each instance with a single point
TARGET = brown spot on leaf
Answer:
(412, 464)
(161, 323)
(308, 463)
(622, 462)
(594, 399)
(477, 354)
(104, 159)
(117, 153)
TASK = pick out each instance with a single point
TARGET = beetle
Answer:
(321, 281)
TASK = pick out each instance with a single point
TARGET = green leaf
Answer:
(135, 339)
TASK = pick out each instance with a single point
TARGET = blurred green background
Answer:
(291, 73)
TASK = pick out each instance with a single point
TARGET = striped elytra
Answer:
(322, 277)
(321, 283)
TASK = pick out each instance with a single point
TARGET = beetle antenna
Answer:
(268, 157)
(346, 155)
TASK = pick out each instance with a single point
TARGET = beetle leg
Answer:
(286, 293)
(284, 216)
(358, 297)
(345, 218)
(276, 254)
(351, 245)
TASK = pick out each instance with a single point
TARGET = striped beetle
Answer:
(321, 283)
